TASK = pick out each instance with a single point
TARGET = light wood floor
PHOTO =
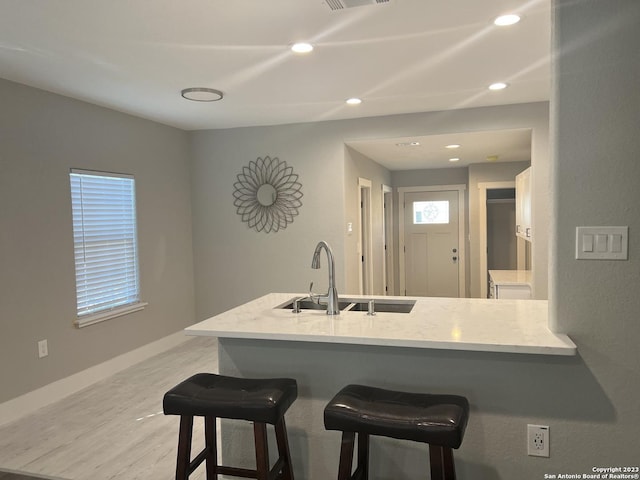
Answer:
(114, 429)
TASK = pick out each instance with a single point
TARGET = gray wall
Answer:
(595, 121)
(358, 166)
(235, 264)
(430, 177)
(41, 137)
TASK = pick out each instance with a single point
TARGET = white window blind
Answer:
(105, 242)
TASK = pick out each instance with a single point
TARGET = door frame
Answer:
(387, 241)
(482, 220)
(365, 248)
(462, 256)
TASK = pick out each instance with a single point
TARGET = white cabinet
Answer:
(523, 205)
(514, 284)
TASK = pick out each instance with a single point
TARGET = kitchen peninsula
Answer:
(441, 346)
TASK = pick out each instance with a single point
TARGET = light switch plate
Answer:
(602, 243)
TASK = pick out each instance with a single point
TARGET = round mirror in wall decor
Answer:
(267, 194)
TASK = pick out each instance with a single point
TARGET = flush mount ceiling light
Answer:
(342, 4)
(202, 94)
(506, 20)
(408, 144)
(454, 159)
(354, 101)
(498, 86)
(453, 145)
(301, 47)
(492, 158)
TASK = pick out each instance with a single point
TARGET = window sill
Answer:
(94, 318)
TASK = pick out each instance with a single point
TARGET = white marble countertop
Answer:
(514, 326)
(511, 277)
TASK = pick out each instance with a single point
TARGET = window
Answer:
(431, 213)
(105, 245)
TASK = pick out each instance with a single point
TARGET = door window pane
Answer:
(430, 213)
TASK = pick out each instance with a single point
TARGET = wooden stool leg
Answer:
(346, 455)
(441, 460)
(283, 449)
(184, 447)
(262, 450)
(363, 456)
(448, 465)
(211, 458)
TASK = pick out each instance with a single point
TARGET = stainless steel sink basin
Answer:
(354, 305)
(392, 306)
(308, 304)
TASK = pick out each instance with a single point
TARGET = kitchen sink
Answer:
(354, 305)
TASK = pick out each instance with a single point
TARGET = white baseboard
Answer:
(29, 402)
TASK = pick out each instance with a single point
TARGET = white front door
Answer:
(431, 243)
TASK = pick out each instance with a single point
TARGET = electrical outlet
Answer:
(43, 349)
(538, 440)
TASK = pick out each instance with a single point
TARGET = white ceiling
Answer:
(431, 150)
(135, 56)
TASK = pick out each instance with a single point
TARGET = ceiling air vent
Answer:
(342, 4)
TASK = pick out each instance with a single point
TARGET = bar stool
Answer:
(261, 401)
(439, 420)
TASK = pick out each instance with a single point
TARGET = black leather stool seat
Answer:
(211, 395)
(438, 419)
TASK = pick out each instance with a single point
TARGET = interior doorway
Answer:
(498, 242)
(365, 241)
(387, 241)
(502, 251)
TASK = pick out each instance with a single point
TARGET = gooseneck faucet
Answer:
(332, 294)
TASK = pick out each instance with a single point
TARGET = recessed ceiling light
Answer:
(505, 20)
(301, 47)
(454, 159)
(453, 145)
(498, 86)
(202, 94)
(354, 101)
(408, 144)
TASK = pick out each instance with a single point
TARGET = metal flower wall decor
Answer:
(267, 194)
